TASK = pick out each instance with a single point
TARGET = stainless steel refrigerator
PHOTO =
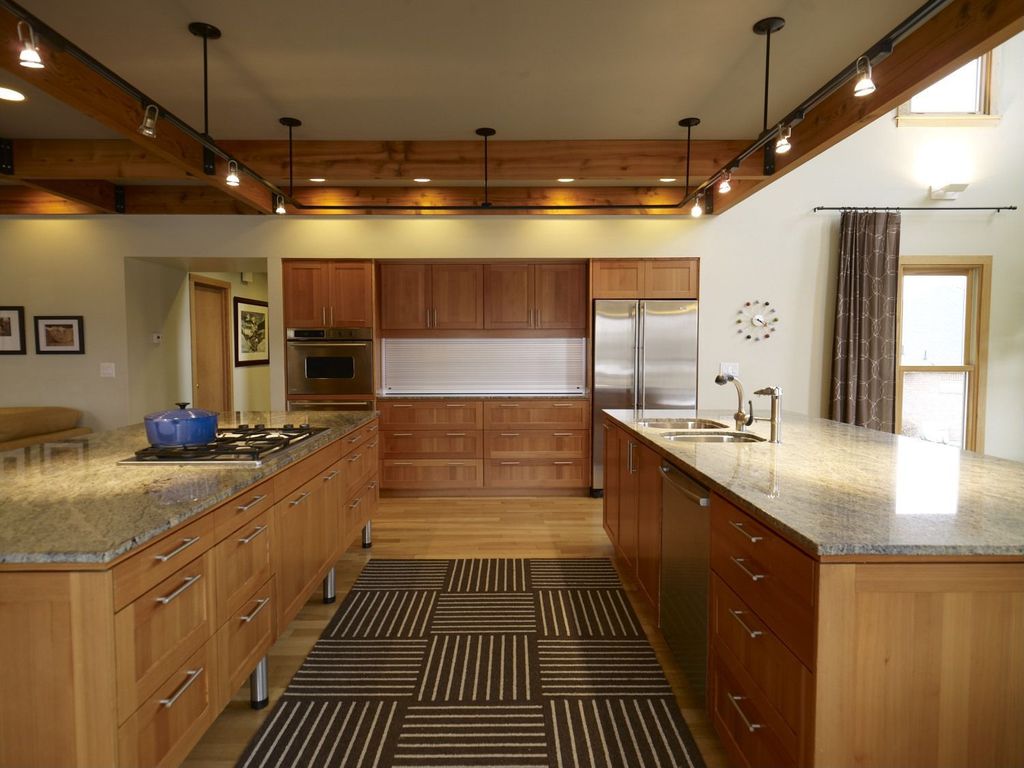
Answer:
(645, 358)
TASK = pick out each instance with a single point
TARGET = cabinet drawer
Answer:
(753, 734)
(431, 414)
(773, 577)
(431, 474)
(242, 564)
(358, 438)
(170, 722)
(159, 630)
(534, 414)
(288, 480)
(244, 639)
(432, 444)
(737, 632)
(241, 510)
(537, 444)
(156, 562)
(567, 473)
(359, 465)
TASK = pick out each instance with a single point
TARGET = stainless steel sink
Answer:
(712, 437)
(681, 424)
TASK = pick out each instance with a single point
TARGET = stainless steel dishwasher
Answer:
(685, 569)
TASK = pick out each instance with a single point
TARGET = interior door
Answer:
(304, 294)
(560, 296)
(211, 344)
(508, 289)
(349, 301)
(457, 296)
(404, 297)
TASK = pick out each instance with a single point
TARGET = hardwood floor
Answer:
(451, 528)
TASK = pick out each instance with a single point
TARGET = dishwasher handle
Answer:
(696, 493)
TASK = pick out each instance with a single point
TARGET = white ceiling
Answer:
(438, 69)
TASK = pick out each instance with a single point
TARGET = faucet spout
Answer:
(743, 420)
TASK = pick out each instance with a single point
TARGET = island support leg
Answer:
(368, 535)
(330, 592)
(259, 690)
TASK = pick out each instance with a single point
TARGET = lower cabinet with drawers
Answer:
(130, 664)
(466, 447)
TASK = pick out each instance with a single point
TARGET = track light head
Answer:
(698, 207)
(864, 85)
(148, 125)
(29, 56)
(724, 186)
(279, 208)
(232, 179)
(782, 145)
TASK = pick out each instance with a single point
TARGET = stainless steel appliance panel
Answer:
(330, 405)
(615, 368)
(329, 367)
(668, 354)
(685, 569)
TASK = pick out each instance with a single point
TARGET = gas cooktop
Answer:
(241, 446)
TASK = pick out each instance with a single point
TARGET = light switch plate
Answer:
(108, 371)
(727, 369)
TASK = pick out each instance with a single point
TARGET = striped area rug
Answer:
(474, 663)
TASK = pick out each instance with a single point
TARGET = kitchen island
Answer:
(137, 599)
(866, 591)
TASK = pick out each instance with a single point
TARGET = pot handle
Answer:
(183, 406)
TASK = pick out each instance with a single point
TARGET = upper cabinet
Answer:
(417, 297)
(535, 296)
(404, 297)
(645, 278)
(457, 296)
(328, 294)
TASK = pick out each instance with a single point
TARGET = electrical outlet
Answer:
(108, 371)
(727, 369)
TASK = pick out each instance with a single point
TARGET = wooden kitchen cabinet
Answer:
(431, 296)
(645, 278)
(509, 296)
(327, 293)
(537, 414)
(629, 497)
(404, 297)
(536, 296)
(648, 525)
(612, 492)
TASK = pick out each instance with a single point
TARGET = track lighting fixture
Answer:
(318, 179)
(279, 208)
(9, 94)
(148, 125)
(29, 56)
(232, 179)
(567, 180)
(865, 85)
(724, 185)
(698, 207)
(782, 145)
(422, 180)
(667, 179)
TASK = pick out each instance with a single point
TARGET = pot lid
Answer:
(180, 413)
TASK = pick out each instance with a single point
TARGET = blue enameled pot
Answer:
(181, 426)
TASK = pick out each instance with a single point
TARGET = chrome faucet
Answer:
(743, 420)
(776, 416)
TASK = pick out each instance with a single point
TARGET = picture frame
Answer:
(60, 334)
(252, 332)
(12, 331)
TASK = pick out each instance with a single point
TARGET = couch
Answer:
(40, 424)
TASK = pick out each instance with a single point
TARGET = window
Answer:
(963, 97)
(942, 340)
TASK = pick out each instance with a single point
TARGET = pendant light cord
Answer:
(767, 70)
(686, 192)
(291, 165)
(206, 90)
(487, 192)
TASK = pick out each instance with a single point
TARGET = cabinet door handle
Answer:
(509, 463)
(323, 316)
(354, 440)
(401, 405)
(509, 405)
(185, 544)
(373, 428)
(456, 463)
(355, 458)
(298, 499)
(191, 676)
(746, 721)
(401, 434)
(563, 462)
(256, 532)
(509, 434)
(435, 318)
(740, 564)
(750, 537)
(754, 633)
(401, 464)
(256, 500)
(332, 316)
(561, 434)
(454, 405)
(259, 607)
(189, 581)
(334, 474)
(454, 434)
(563, 405)
(372, 445)
(355, 503)
(372, 485)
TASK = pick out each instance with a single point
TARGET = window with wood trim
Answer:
(943, 348)
(963, 97)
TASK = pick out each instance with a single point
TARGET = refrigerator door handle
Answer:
(641, 383)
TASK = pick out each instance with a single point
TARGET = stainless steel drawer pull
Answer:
(185, 544)
(372, 485)
(189, 581)
(356, 503)
(561, 434)
(355, 439)
(256, 532)
(372, 445)
(259, 607)
(454, 434)
(401, 463)
(754, 633)
(750, 537)
(456, 463)
(191, 676)
(563, 405)
(740, 564)
(401, 405)
(298, 499)
(510, 434)
(355, 458)
(509, 463)
(454, 405)
(563, 462)
(401, 434)
(256, 500)
(746, 721)
(509, 405)
(373, 428)
(334, 474)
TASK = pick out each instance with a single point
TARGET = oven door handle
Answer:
(330, 344)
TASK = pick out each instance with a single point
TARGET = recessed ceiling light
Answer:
(566, 180)
(667, 179)
(318, 180)
(421, 180)
(9, 94)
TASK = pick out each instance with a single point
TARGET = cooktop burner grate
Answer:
(243, 445)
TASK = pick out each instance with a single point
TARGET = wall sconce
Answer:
(947, 192)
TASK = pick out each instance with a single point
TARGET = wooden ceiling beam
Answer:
(90, 159)
(100, 196)
(20, 200)
(70, 81)
(963, 30)
(146, 199)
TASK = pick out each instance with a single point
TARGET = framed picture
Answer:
(64, 335)
(12, 331)
(252, 346)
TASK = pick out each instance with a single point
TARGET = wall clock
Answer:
(757, 320)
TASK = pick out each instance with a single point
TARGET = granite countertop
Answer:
(833, 489)
(70, 502)
(461, 396)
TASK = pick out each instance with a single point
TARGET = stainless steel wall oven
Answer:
(330, 361)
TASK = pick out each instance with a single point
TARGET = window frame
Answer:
(978, 270)
(987, 115)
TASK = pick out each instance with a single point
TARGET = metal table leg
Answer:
(329, 590)
(259, 690)
(368, 535)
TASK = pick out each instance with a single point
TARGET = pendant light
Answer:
(688, 123)
(290, 123)
(485, 134)
(148, 125)
(698, 207)
(29, 55)
(280, 209)
(865, 85)
(724, 186)
(232, 179)
(782, 145)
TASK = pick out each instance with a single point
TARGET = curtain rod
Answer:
(996, 208)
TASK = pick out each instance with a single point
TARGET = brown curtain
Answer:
(864, 349)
